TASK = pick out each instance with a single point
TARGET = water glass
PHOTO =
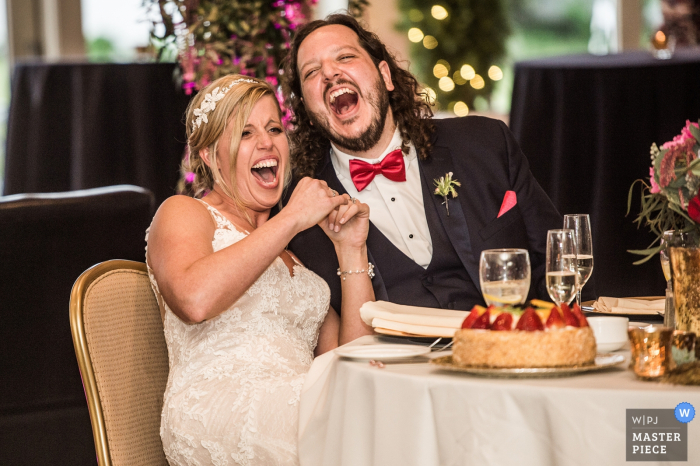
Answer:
(562, 275)
(504, 276)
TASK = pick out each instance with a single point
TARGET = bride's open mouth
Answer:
(265, 172)
(343, 101)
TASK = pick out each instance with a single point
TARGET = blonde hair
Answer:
(236, 106)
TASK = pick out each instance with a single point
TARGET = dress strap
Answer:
(219, 219)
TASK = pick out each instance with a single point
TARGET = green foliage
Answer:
(100, 50)
(474, 33)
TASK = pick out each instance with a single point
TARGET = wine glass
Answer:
(504, 276)
(581, 225)
(562, 276)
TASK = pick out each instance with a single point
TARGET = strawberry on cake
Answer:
(510, 337)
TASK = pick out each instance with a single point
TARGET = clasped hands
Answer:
(345, 220)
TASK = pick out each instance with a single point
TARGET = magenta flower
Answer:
(685, 132)
(655, 188)
(190, 177)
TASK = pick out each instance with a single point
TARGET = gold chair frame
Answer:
(80, 343)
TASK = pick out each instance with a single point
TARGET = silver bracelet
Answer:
(369, 270)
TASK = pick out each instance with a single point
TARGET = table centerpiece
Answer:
(671, 201)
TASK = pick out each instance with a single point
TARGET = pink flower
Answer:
(694, 209)
(685, 132)
(655, 188)
(190, 177)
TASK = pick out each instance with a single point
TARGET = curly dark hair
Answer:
(410, 104)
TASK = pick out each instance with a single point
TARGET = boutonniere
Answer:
(445, 186)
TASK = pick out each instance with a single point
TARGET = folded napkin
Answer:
(411, 319)
(630, 306)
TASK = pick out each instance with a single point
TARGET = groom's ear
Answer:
(385, 72)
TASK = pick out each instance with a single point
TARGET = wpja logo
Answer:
(659, 434)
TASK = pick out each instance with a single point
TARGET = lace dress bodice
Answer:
(235, 380)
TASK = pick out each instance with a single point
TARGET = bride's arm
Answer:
(349, 241)
(198, 283)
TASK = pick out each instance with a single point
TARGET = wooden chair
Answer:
(119, 343)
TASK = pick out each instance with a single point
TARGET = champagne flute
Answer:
(581, 225)
(562, 275)
(504, 276)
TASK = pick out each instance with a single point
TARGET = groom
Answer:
(360, 125)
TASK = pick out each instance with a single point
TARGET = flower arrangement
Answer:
(671, 200)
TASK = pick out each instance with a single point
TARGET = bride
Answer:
(243, 318)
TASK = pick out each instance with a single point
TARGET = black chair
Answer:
(46, 242)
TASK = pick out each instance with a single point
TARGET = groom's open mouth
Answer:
(265, 171)
(343, 100)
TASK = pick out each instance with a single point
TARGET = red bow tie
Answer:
(392, 167)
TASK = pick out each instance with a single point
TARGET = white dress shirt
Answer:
(396, 208)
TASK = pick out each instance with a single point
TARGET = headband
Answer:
(210, 100)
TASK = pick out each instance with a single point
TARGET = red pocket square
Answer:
(509, 201)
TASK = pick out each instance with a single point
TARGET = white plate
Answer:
(602, 361)
(385, 352)
(609, 346)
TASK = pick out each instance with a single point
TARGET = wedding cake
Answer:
(509, 337)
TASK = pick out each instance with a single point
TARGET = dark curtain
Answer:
(77, 126)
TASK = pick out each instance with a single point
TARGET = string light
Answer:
(429, 93)
(440, 70)
(415, 35)
(458, 79)
(446, 84)
(477, 82)
(495, 73)
(439, 12)
(467, 72)
(429, 42)
(461, 109)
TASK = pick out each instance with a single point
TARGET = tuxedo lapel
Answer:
(328, 175)
(438, 165)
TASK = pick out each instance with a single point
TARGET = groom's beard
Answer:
(378, 99)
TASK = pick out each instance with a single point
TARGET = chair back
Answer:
(123, 359)
(46, 241)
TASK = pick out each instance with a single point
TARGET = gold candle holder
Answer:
(651, 349)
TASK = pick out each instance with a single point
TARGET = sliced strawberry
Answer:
(504, 321)
(569, 318)
(576, 311)
(484, 320)
(555, 320)
(529, 321)
(473, 315)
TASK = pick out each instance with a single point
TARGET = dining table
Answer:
(353, 412)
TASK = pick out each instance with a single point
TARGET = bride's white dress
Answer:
(235, 380)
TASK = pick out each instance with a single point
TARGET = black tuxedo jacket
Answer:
(485, 158)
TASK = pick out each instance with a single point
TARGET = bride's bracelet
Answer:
(369, 271)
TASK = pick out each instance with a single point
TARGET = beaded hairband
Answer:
(210, 100)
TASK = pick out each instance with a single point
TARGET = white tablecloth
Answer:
(353, 414)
